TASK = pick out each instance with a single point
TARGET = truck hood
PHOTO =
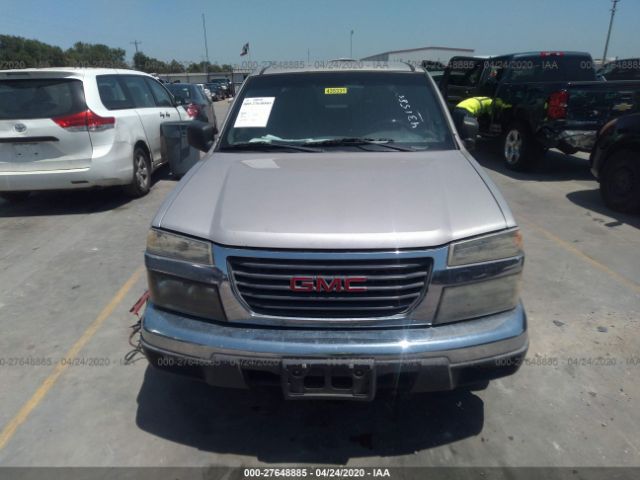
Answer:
(334, 200)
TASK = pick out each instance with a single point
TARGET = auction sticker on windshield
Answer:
(254, 112)
(335, 91)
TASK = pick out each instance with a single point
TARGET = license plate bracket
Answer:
(348, 379)
(27, 152)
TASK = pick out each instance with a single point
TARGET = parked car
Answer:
(615, 162)
(231, 88)
(218, 92)
(344, 240)
(194, 100)
(221, 86)
(625, 69)
(205, 91)
(541, 100)
(66, 128)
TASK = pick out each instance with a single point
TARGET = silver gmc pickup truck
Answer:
(338, 238)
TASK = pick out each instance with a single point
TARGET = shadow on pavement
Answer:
(262, 425)
(591, 200)
(552, 167)
(74, 202)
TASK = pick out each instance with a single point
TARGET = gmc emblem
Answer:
(321, 284)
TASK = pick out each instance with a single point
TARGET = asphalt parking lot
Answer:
(71, 267)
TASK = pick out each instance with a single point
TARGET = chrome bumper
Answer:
(582, 140)
(484, 340)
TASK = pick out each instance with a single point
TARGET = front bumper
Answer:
(424, 358)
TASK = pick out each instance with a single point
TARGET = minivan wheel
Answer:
(519, 148)
(141, 182)
(14, 197)
(620, 181)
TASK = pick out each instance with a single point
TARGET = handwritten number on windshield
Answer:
(414, 121)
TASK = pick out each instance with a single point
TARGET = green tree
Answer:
(148, 64)
(95, 55)
(19, 52)
(175, 67)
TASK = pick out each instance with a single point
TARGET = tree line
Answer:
(19, 52)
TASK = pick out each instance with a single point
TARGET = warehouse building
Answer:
(417, 55)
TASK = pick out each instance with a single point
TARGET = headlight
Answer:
(175, 292)
(478, 299)
(170, 245)
(185, 296)
(485, 249)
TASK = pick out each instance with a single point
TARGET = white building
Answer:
(415, 56)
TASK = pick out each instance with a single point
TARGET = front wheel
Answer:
(141, 182)
(520, 149)
(620, 181)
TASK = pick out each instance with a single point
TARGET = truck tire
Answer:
(620, 181)
(14, 197)
(520, 150)
(141, 182)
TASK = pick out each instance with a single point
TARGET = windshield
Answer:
(326, 107)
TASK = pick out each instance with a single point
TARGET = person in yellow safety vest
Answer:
(479, 108)
(476, 106)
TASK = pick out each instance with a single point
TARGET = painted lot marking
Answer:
(577, 252)
(10, 429)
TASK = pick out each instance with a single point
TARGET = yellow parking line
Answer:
(10, 429)
(568, 246)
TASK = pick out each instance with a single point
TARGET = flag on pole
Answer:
(245, 49)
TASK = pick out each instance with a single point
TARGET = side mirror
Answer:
(179, 101)
(201, 135)
(468, 128)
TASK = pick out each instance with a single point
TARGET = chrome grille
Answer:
(393, 286)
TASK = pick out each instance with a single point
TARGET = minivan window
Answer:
(162, 98)
(138, 91)
(111, 93)
(40, 98)
(303, 108)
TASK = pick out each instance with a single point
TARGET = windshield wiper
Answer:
(268, 146)
(359, 142)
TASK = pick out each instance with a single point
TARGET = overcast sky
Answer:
(285, 30)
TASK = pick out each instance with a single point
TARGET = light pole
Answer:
(351, 45)
(206, 50)
(606, 45)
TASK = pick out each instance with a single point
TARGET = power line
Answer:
(136, 43)
(606, 45)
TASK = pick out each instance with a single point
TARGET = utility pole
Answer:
(206, 49)
(351, 45)
(606, 45)
(136, 43)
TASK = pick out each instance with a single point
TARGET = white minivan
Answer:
(63, 128)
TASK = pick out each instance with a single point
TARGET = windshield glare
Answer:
(314, 107)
